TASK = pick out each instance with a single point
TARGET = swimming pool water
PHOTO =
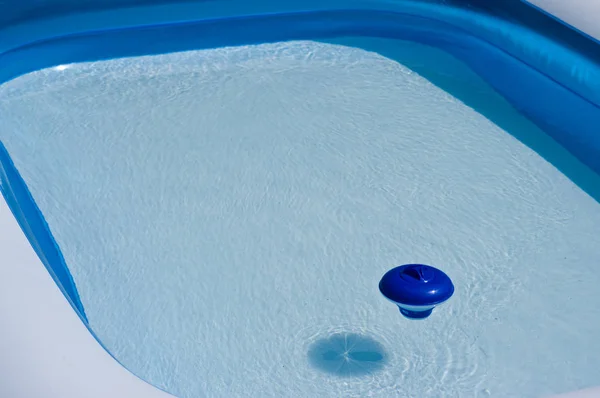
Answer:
(226, 215)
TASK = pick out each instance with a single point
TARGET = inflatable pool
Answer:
(543, 58)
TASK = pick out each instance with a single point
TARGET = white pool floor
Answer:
(227, 214)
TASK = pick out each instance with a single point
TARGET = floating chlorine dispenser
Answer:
(416, 289)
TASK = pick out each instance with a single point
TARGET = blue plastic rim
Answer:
(415, 314)
(416, 289)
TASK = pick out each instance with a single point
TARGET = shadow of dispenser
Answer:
(416, 289)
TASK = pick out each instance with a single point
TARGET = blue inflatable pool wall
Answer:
(547, 71)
